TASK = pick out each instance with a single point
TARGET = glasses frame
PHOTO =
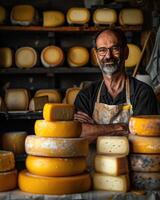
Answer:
(114, 50)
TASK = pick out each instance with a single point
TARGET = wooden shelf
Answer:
(66, 28)
(56, 70)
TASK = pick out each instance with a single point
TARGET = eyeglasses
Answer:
(103, 50)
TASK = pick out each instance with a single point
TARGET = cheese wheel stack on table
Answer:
(111, 164)
(8, 173)
(145, 148)
(56, 162)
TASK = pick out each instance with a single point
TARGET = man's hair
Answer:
(118, 32)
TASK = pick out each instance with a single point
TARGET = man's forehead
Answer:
(107, 36)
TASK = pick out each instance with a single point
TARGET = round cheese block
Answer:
(2, 15)
(56, 147)
(25, 57)
(93, 58)
(43, 166)
(7, 161)
(71, 94)
(134, 55)
(6, 57)
(77, 56)
(53, 18)
(52, 56)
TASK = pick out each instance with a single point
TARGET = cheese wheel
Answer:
(93, 58)
(7, 161)
(37, 103)
(131, 16)
(23, 15)
(77, 56)
(78, 15)
(147, 145)
(6, 57)
(54, 95)
(147, 125)
(58, 112)
(55, 166)
(56, 147)
(52, 56)
(145, 181)
(104, 16)
(8, 180)
(134, 55)
(144, 162)
(17, 99)
(3, 107)
(25, 57)
(53, 185)
(58, 129)
(14, 141)
(112, 145)
(111, 183)
(2, 15)
(71, 94)
(53, 18)
(111, 165)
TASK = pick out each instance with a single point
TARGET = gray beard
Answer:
(109, 69)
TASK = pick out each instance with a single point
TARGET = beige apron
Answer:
(109, 114)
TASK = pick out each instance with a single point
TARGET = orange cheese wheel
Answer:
(7, 161)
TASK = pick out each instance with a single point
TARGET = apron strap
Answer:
(99, 92)
(127, 91)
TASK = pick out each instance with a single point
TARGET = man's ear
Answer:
(126, 52)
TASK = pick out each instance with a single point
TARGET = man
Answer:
(104, 108)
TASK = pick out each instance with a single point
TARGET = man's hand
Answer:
(83, 117)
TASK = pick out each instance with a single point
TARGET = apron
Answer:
(109, 114)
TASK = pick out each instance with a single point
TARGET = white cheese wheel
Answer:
(78, 15)
(6, 57)
(111, 183)
(131, 16)
(25, 57)
(52, 56)
(14, 141)
(7, 161)
(77, 56)
(71, 94)
(134, 55)
(56, 147)
(17, 99)
(105, 16)
(2, 15)
(53, 18)
(54, 95)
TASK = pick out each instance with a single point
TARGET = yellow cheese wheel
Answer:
(25, 57)
(131, 16)
(54, 95)
(55, 166)
(58, 112)
(56, 147)
(142, 144)
(134, 55)
(7, 161)
(93, 58)
(6, 57)
(8, 180)
(147, 125)
(53, 185)
(2, 14)
(53, 18)
(17, 99)
(14, 141)
(78, 15)
(58, 129)
(104, 16)
(71, 94)
(77, 56)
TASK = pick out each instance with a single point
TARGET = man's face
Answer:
(109, 53)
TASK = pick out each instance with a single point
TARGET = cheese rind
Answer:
(53, 185)
(134, 55)
(6, 57)
(7, 161)
(55, 166)
(111, 183)
(58, 129)
(54, 95)
(8, 180)
(144, 163)
(147, 125)
(146, 145)
(71, 94)
(37, 103)
(56, 147)
(112, 145)
(111, 165)
(53, 18)
(58, 112)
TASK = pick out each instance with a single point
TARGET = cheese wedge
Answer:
(134, 55)
(53, 18)
(54, 95)
(56, 147)
(58, 129)
(7, 161)
(37, 103)
(2, 15)
(6, 57)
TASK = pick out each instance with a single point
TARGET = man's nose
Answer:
(108, 54)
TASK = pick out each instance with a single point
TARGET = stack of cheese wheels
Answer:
(111, 164)
(2, 15)
(8, 174)
(77, 56)
(145, 149)
(6, 57)
(56, 162)
(53, 18)
(71, 94)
